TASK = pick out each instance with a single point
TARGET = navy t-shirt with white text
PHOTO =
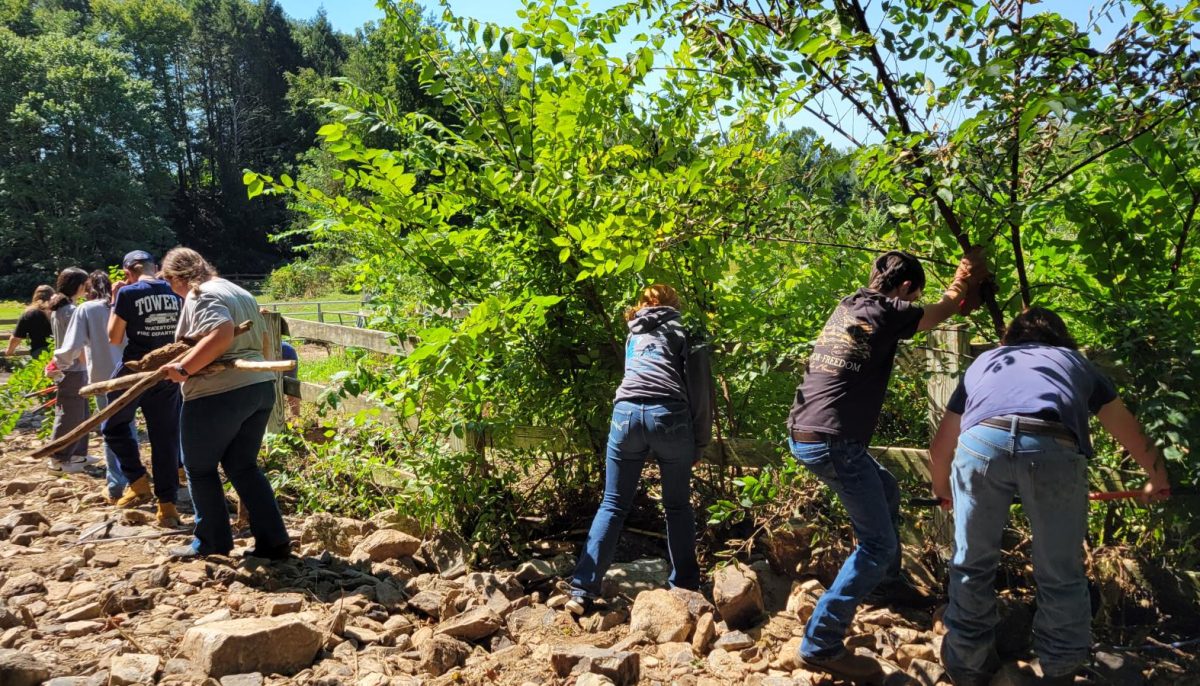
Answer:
(151, 312)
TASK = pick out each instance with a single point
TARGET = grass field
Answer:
(11, 309)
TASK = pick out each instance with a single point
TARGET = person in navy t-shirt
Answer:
(146, 311)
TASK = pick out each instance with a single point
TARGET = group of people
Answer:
(1016, 425)
(195, 422)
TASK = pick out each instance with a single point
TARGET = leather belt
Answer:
(1031, 425)
(807, 437)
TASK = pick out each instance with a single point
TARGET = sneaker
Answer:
(579, 605)
(72, 465)
(167, 516)
(136, 493)
(857, 669)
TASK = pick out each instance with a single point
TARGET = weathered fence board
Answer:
(347, 336)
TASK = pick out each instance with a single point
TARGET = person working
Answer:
(34, 324)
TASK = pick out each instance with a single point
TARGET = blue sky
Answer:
(348, 15)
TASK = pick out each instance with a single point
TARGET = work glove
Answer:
(973, 268)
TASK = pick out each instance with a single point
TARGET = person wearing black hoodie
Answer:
(663, 406)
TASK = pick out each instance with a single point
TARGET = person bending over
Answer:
(1018, 425)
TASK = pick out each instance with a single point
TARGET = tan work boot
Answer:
(182, 476)
(167, 516)
(136, 493)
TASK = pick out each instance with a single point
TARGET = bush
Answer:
(298, 280)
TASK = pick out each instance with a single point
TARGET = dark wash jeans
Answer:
(160, 407)
(871, 497)
(638, 429)
(226, 430)
(991, 465)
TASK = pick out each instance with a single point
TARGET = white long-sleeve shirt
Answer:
(88, 330)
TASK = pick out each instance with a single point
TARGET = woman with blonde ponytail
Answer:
(662, 407)
(224, 414)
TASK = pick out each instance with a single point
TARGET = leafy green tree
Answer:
(75, 184)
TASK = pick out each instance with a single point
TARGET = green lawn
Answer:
(337, 308)
(11, 309)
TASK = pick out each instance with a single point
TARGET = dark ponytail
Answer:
(893, 268)
(68, 284)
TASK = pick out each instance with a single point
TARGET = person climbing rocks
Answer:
(70, 408)
(87, 338)
(145, 312)
(663, 407)
(224, 414)
(1018, 425)
(830, 424)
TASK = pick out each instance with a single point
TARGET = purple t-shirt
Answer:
(851, 362)
(1033, 380)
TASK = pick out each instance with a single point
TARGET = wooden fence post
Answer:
(272, 349)
(949, 355)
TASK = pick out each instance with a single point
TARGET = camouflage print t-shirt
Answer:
(848, 371)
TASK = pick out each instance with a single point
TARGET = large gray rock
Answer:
(472, 625)
(19, 669)
(386, 544)
(662, 616)
(631, 578)
(272, 645)
(133, 669)
(622, 667)
(23, 518)
(441, 653)
(336, 534)
(738, 596)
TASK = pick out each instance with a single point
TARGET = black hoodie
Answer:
(661, 364)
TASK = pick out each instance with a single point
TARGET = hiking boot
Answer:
(168, 517)
(857, 669)
(136, 493)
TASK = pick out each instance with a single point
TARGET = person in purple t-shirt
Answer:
(830, 425)
(1018, 424)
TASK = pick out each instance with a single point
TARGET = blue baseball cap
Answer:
(135, 257)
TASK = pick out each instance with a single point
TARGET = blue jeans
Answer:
(637, 429)
(116, 478)
(871, 497)
(226, 430)
(1050, 474)
(160, 407)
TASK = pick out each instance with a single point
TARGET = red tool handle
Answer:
(1118, 495)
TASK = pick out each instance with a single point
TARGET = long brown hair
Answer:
(189, 265)
(657, 295)
(41, 299)
(68, 284)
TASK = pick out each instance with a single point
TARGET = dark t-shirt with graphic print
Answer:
(151, 312)
(848, 371)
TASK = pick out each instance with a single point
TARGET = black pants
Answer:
(160, 407)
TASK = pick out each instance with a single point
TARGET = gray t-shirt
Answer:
(60, 319)
(222, 301)
(88, 331)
